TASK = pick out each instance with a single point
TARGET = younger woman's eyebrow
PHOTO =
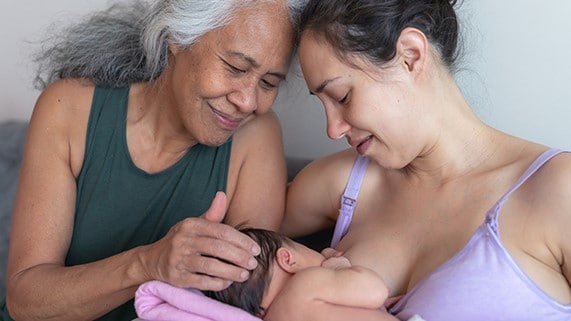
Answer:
(321, 87)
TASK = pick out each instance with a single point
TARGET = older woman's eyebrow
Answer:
(255, 64)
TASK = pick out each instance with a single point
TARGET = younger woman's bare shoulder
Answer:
(547, 197)
(552, 182)
(554, 176)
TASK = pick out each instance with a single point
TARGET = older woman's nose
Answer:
(245, 98)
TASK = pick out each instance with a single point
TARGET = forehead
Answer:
(318, 60)
(261, 31)
(263, 14)
(321, 63)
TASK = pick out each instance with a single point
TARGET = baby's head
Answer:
(290, 257)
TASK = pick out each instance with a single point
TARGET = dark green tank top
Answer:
(119, 206)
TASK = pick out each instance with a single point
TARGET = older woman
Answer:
(149, 111)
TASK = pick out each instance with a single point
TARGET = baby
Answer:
(293, 282)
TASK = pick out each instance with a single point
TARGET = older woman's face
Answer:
(232, 73)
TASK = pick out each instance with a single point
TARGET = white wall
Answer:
(21, 23)
(521, 67)
(517, 69)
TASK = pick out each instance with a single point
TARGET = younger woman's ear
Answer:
(412, 47)
(286, 260)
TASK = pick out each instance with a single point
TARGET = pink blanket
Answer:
(158, 301)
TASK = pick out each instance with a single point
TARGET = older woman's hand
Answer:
(202, 252)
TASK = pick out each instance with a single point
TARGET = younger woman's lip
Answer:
(363, 145)
(357, 143)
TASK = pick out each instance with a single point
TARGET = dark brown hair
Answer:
(248, 294)
(371, 28)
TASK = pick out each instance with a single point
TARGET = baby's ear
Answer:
(286, 260)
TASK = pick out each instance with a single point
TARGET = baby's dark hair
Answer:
(248, 294)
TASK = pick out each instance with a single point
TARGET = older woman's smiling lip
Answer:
(226, 121)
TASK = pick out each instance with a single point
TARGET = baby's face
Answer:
(305, 256)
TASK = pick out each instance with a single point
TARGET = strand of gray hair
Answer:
(128, 42)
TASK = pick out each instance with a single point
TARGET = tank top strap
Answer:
(492, 216)
(349, 199)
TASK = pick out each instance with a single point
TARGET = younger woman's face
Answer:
(372, 107)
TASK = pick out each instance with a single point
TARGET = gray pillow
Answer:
(12, 135)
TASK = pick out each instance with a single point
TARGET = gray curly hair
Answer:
(128, 42)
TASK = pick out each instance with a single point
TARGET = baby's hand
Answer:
(330, 252)
(336, 263)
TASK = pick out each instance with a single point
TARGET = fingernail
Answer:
(256, 249)
(252, 263)
(244, 275)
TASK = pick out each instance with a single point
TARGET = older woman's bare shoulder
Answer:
(66, 95)
(333, 168)
(62, 112)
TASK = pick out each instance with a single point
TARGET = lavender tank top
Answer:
(483, 281)
(349, 199)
